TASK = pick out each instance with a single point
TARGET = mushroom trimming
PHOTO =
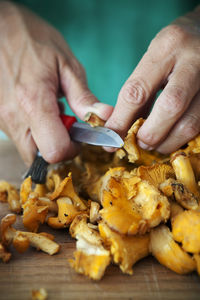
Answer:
(120, 207)
(21, 239)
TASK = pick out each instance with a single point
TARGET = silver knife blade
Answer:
(99, 136)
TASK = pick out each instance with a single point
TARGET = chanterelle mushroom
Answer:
(4, 254)
(93, 120)
(172, 187)
(90, 258)
(67, 211)
(186, 230)
(134, 152)
(8, 193)
(34, 214)
(126, 250)
(184, 172)
(132, 205)
(66, 189)
(155, 174)
(39, 241)
(168, 252)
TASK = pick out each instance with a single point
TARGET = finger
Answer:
(142, 113)
(15, 126)
(50, 135)
(25, 145)
(170, 105)
(146, 109)
(185, 129)
(23, 141)
(78, 95)
(143, 83)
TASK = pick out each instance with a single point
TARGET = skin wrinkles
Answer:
(37, 67)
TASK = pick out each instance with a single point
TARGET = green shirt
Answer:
(109, 37)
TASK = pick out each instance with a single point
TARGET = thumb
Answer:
(78, 95)
(43, 115)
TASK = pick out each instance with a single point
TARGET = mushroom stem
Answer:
(184, 172)
(11, 235)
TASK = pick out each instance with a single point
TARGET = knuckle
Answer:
(8, 117)
(175, 33)
(32, 101)
(173, 101)
(117, 124)
(78, 69)
(85, 98)
(149, 138)
(171, 36)
(134, 93)
(189, 127)
(26, 99)
(55, 156)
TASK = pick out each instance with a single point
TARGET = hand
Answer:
(37, 66)
(172, 62)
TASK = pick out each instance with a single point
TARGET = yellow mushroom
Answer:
(90, 258)
(34, 214)
(155, 174)
(94, 212)
(39, 241)
(93, 120)
(132, 206)
(186, 230)
(173, 188)
(4, 254)
(25, 190)
(8, 193)
(184, 172)
(67, 211)
(66, 189)
(126, 250)
(168, 252)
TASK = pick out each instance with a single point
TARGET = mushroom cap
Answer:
(156, 174)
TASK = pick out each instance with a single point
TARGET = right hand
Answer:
(37, 66)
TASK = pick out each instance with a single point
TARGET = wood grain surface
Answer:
(34, 269)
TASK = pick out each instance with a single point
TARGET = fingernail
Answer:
(98, 106)
(144, 146)
(103, 110)
(110, 149)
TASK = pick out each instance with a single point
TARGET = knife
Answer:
(79, 132)
(84, 133)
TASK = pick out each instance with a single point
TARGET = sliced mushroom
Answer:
(21, 239)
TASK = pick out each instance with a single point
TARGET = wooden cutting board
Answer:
(33, 270)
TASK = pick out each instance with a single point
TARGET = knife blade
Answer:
(79, 132)
(99, 136)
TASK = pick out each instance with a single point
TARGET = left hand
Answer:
(172, 61)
